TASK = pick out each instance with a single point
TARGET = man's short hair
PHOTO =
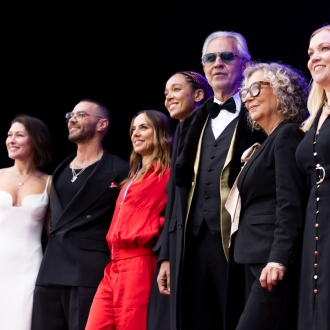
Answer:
(103, 109)
(240, 41)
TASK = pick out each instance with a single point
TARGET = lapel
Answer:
(96, 184)
(196, 165)
(190, 135)
(269, 139)
(56, 206)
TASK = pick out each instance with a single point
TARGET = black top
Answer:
(67, 189)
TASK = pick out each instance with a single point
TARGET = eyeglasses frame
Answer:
(78, 114)
(248, 89)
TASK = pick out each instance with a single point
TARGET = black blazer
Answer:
(77, 252)
(182, 170)
(273, 194)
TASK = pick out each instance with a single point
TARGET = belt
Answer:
(131, 253)
(321, 173)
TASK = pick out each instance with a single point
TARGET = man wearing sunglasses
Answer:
(82, 199)
(196, 266)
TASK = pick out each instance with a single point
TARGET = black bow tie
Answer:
(215, 108)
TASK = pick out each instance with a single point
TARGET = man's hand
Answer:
(270, 276)
(163, 278)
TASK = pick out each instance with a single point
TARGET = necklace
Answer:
(22, 182)
(326, 108)
(75, 174)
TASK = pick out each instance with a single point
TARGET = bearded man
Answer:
(82, 199)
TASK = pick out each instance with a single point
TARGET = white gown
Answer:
(20, 257)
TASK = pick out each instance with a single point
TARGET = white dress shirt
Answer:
(224, 117)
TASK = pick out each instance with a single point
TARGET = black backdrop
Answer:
(122, 54)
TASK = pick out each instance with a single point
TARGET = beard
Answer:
(84, 134)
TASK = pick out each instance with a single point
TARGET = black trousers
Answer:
(264, 310)
(203, 282)
(61, 308)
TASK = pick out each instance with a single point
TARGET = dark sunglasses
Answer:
(227, 57)
(254, 90)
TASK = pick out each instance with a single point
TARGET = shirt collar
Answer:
(237, 100)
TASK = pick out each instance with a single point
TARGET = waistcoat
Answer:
(205, 204)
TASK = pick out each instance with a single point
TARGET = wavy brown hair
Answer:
(162, 141)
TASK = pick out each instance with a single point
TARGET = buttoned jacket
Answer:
(77, 251)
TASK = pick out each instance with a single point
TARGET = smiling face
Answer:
(142, 136)
(180, 98)
(262, 108)
(19, 144)
(224, 78)
(319, 58)
(84, 129)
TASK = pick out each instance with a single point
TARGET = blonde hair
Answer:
(162, 141)
(316, 96)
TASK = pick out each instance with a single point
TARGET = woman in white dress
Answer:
(24, 205)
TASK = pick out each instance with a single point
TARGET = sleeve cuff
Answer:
(277, 265)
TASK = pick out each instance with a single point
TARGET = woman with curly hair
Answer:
(273, 195)
(122, 297)
(313, 158)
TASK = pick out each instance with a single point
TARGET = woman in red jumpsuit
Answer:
(122, 297)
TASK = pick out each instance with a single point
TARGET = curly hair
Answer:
(289, 86)
(162, 141)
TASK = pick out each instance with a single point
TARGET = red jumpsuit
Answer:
(122, 297)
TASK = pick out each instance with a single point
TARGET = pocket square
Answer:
(114, 185)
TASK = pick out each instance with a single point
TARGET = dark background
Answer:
(122, 53)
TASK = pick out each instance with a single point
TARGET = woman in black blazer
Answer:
(273, 196)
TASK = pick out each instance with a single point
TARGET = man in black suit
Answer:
(82, 200)
(195, 251)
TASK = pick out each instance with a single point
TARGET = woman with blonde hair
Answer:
(313, 157)
(122, 297)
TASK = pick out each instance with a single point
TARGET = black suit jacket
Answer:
(77, 251)
(182, 172)
(273, 194)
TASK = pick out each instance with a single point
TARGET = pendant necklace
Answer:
(75, 174)
(22, 182)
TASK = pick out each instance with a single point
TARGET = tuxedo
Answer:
(77, 252)
(273, 197)
(184, 176)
